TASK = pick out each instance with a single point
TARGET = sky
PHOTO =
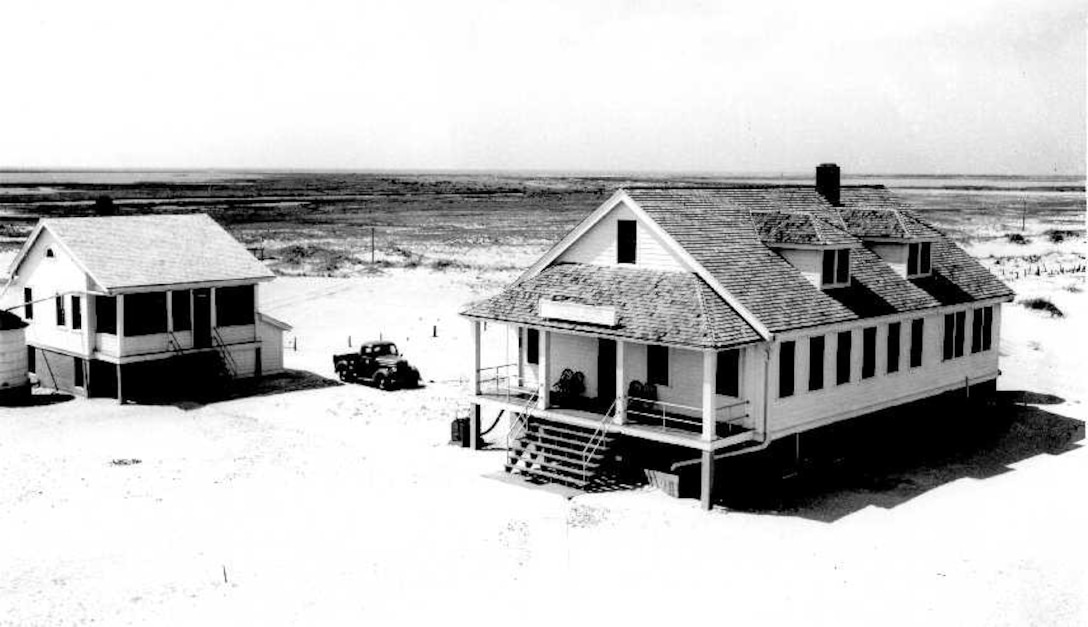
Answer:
(927, 86)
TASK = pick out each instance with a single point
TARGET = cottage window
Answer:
(954, 334)
(49, 253)
(532, 350)
(842, 357)
(145, 313)
(961, 324)
(868, 352)
(987, 328)
(77, 372)
(785, 368)
(657, 365)
(105, 308)
(626, 241)
(28, 300)
(816, 363)
(893, 347)
(234, 305)
(180, 304)
(976, 330)
(917, 338)
(728, 373)
(918, 259)
(31, 360)
(836, 267)
(59, 302)
(77, 312)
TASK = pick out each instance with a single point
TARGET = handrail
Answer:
(597, 438)
(690, 421)
(519, 422)
(221, 347)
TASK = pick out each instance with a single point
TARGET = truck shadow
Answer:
(887, 459)
(284, 382)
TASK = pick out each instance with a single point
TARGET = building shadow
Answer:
(889, 458)
(37, 400)
(195, 397)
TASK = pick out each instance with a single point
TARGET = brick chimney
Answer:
(827, 182)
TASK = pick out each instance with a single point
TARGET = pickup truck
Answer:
(376, 363)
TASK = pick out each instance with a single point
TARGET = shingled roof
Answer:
(800, 227)
(137, 251)
(652, 306)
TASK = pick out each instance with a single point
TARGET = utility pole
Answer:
(372, 245)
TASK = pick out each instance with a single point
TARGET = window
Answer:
(816, 363)
(626, 241)
(31, 360)
(59, 300)
(77, 312)
(233, 305)
(105, 316)
(842, 358)
(28, 299)
(657, 365)
(976, 331)
(918, 258)
(180, 303)
(145, 313)
(77, 365)
(917, 328)
(893, 347)
(954, 333)
(728, 373)
(49, 253)
(532, 351)
(868, 352)
(785, 369)
(836, 267)
(987, 328)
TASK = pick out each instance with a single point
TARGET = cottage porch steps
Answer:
(559, 453)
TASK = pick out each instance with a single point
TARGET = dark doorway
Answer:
(606, 372)
(202, 317)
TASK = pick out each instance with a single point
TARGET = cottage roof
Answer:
(652, 306)
(138, 251)
(800, 227)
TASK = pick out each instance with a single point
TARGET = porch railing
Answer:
(519, 422)
(684, 417)
(504, 381)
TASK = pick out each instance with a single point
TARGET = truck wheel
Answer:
(381, 381)
(343, 375)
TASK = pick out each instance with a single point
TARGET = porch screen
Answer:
(145, 313)
(233, 305)
(728, 375)
(105, 314)
(657, 365)
(532, 351)
(181, 301)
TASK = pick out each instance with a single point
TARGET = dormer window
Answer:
(626, 241)
(919, 262)
(836, 268)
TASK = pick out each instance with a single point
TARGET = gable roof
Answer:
(122, 252)
(652, 306)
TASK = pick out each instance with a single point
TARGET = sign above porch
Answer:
(604, 316)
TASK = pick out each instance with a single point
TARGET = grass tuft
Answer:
(1043, 304)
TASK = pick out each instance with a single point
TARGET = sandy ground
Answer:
(342, 504)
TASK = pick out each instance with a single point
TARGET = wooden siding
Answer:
(598, 245)
(808, 409)
(577, 352)
(271, 348)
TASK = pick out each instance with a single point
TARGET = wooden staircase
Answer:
(550, 451)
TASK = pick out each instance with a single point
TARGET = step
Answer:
(569, 453)
(553, 467)
(549, 476)
(524, 453)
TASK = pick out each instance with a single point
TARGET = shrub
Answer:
(1043, 304)
(1017, 238)
(1058, 236)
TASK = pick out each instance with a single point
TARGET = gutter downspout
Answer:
(765, 442)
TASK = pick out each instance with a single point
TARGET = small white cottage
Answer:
(718, 320)
(139, 305)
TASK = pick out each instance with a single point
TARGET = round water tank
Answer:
(14, 383)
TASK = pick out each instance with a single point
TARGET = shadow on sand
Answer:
(890, 458)
(38, 399)
(279, 383)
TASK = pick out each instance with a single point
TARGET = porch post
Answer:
(475, 357)
(621, 391)
(710, 375)
(120, 394)
(545, 369)
(706, 485)
(120, 327)
(521, 356)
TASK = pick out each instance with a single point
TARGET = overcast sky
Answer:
(926, 86)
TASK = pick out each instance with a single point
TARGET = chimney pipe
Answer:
(827, 182)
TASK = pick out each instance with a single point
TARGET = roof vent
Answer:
(827, 182)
